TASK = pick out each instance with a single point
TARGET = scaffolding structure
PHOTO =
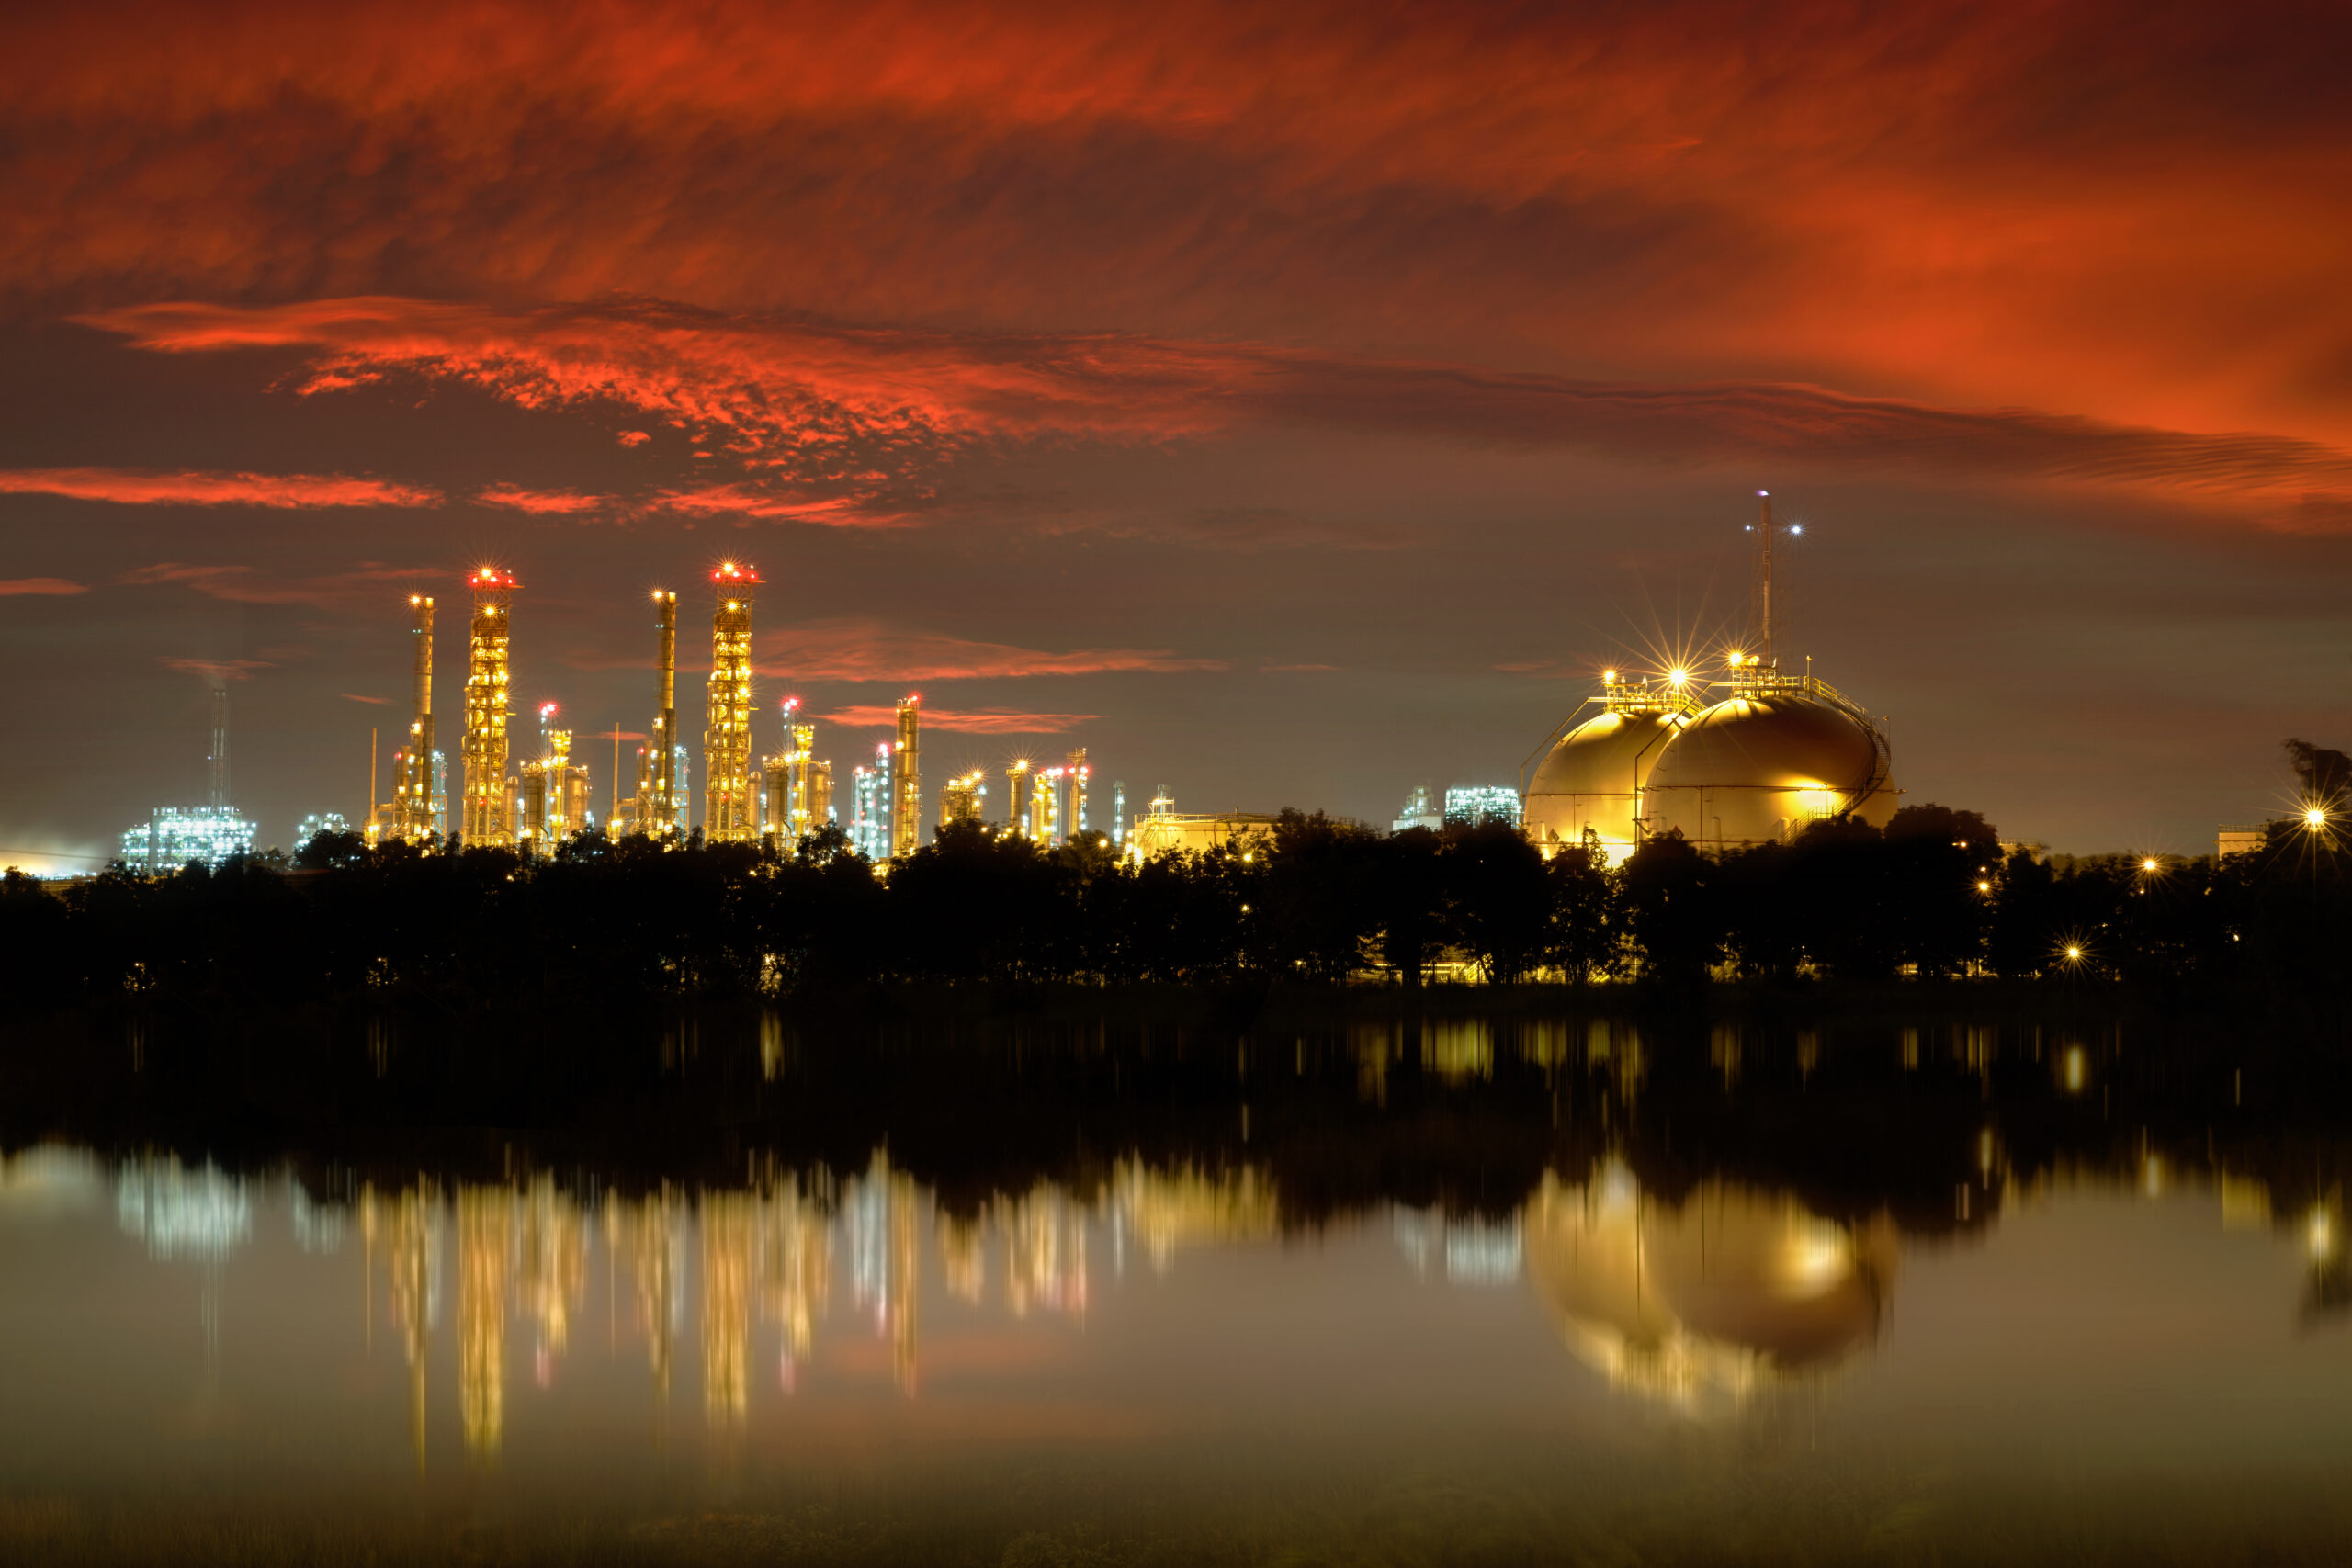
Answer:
(728, 816)
(416, 810)
(905, 780)
(486, 819)
(960, 802)
(660, 812)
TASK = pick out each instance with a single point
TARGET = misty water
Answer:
(1468, 1291)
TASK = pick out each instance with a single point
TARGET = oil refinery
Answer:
(1750, 758)
(1749, 752)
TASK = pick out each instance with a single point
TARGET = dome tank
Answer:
(1761, 764)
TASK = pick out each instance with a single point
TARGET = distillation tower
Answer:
(1076, 775)
(486, 822)
(657, 784)
(906, 781)
(960, 802)
(728, 816)
(1016, 792)
(416, 813)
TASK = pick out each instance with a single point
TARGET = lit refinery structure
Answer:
(905, 780)
(486, 821)
(727, 815)
(961, 801)
(418, 808)
(1750, 758)
(173, 836)
(657, 809)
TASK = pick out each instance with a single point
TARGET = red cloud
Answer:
(865, 650)
(190, 488)
(843, 423)
(20, 586)
(540, 502)
(216, 669)
(356, 697)
(990, 721)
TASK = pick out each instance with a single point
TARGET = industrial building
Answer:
(1751, 758)
(1164, 829)
(781, 797)
(1470, 805)
(961, 802)
(870, 802)
(173, 836)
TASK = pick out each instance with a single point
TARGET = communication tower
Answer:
(416, 813)
(726, 817)
(906, 781)
(218, 760)
(486, 819)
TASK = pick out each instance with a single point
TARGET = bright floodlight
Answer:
(2073, 951)
(2316, 818)
(1796, 528)
(1738, 659)
(1678, 677)
(1609, 677)
(2148, 864)
(1763, 492)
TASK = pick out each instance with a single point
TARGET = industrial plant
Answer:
(543, 799)
(1750, 755)
(1750, 758)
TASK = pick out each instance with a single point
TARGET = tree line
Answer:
(1311, 899)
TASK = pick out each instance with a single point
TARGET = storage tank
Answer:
(1592, 778)
(1777, 754)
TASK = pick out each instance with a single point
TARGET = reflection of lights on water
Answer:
(1472, 1252)
(2152, 1176)
(199, 1214)
(2075, 1069)
(1814, 1258)
(2319, 1235)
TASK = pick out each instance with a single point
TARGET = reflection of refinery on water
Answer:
(1701, 1301)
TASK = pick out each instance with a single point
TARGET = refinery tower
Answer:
(728, 814)
(656, 809)
(486, 819)
(415, 812)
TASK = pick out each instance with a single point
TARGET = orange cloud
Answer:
(43, 586)
(540, 502)
(867, 650)
(356, 697)
(131, 487)
(988, 721)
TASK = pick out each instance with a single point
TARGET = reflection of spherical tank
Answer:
(1708, 1300)
(1759, 766)
(1593, 778)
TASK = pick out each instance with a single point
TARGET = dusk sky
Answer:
(1290, 403)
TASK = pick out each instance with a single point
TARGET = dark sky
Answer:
(1290, 403)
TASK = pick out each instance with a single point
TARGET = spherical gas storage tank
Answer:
(1757, 767)
(1593, 778)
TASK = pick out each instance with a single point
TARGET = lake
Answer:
(1460, 1291)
